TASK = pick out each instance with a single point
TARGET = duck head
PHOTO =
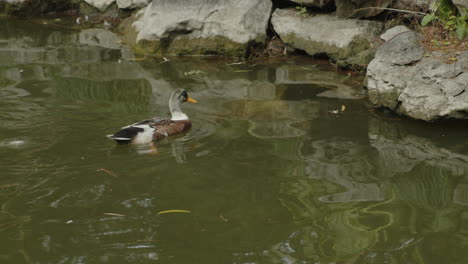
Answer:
(178, 97)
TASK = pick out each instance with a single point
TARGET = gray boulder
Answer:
(325, 34)
(102, 5)
(412, 4)
(132, 4)
(392, 32)
(462, 6)
(360, 8)
(224, 27)
(422, 87)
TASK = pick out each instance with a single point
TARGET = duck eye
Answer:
(183, 96)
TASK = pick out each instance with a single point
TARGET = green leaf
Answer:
(461, 30)
(427, 19)
(298, 7)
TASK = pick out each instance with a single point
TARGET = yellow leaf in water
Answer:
(453, 59)
(343, 107)
(243, 71)
(174, 211)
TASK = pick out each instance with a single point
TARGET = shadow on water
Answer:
(284, 163)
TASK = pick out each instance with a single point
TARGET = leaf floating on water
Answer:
(223, 218)
(194, 72)
(236, 63)
(164, 60)
(173, 211)
(113, 214)
(242, 70)
(343, 107)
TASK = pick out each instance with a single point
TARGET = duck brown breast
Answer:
(175, 127)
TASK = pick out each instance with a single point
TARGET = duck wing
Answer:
(153, 122)
(138, 129)
(126, 134)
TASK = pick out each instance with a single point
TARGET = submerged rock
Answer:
(422, 87)
(338, 38)
(223, 27)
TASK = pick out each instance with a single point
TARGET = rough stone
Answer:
(417, 5)
(422, 87)
(462, 6)
(225, 27)
(405, 50)
(102, 5)
(132, 4)
(325, 34)
(389, 34)
(360, 8)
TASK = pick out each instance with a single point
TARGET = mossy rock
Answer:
(181, 46)
(205, 46)
(334, 52)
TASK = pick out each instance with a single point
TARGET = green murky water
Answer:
(273, 171)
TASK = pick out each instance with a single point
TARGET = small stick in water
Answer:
(108, 172)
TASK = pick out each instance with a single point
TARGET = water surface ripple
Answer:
(284, 163)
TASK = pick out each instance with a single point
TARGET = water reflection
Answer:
(379, 202)
(270, 171)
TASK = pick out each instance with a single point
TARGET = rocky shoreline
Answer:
(401, 74)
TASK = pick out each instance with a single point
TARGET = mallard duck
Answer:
(149, 130)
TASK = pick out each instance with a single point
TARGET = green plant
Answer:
(301, 10)
(446, 13)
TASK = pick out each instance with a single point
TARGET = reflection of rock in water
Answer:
(14, 231)
(424, 174)
(400, 152)
(426, 187)
(345, 163)
(335, 232)
(275, 119)
(411, 196)
(430, 193)
(335, 84)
